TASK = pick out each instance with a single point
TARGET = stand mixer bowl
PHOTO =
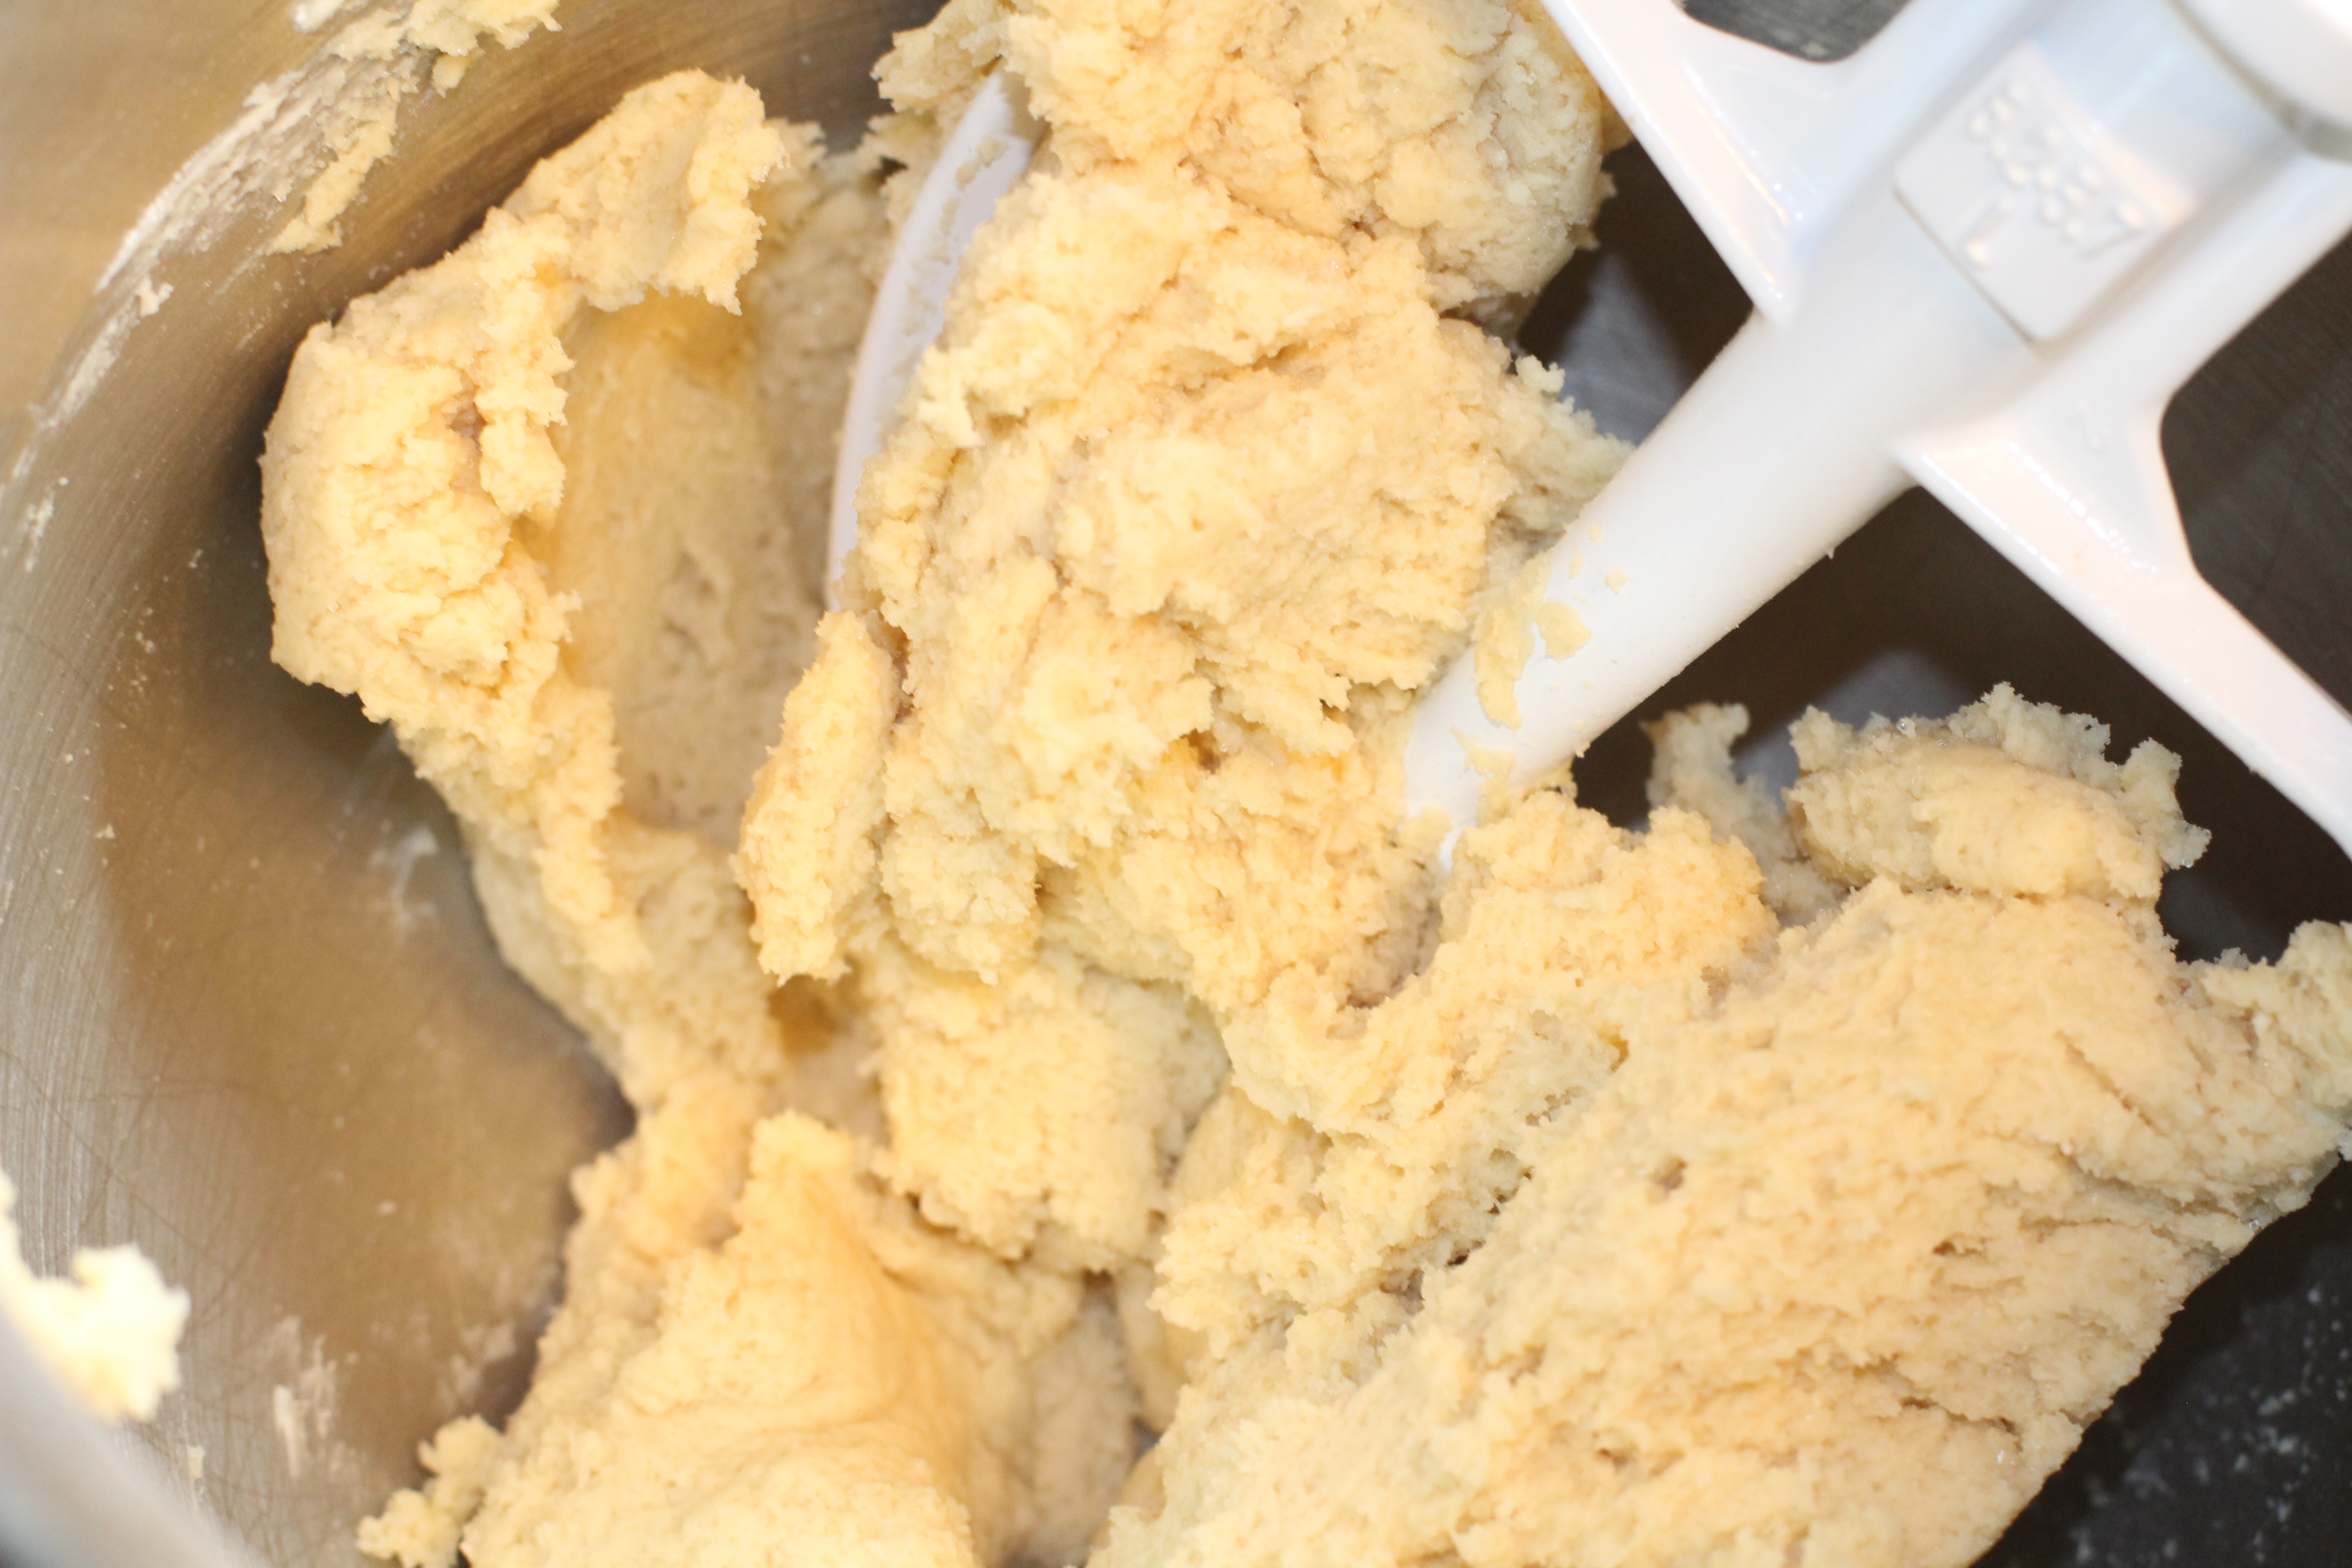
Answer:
(250, 1016)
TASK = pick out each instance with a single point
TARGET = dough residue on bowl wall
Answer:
(111, 1332)
(391, 55)
(1072, 1114)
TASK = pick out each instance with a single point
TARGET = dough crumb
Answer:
(111, 1332)
(1564, 631)
(1506, 639)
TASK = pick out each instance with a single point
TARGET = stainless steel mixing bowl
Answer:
(248, 1014)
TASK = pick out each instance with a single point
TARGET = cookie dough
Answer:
(378, 62)
(111, 1333)
(1045, 1033)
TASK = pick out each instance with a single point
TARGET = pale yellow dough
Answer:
(429, 40)
(1057, 1037)
(111, 1332)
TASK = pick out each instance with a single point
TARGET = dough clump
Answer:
(1058, 1039)
(1906, 1192)
(111, 1333)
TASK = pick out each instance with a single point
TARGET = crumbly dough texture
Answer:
(111, 1333)
(1904, 1193)
(427, 553)
(387, 57)
(1147, 572)
(1070, 1042)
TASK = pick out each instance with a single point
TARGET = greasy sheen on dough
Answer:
(1042, 1030)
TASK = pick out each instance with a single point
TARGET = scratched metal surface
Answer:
(248, 1012)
